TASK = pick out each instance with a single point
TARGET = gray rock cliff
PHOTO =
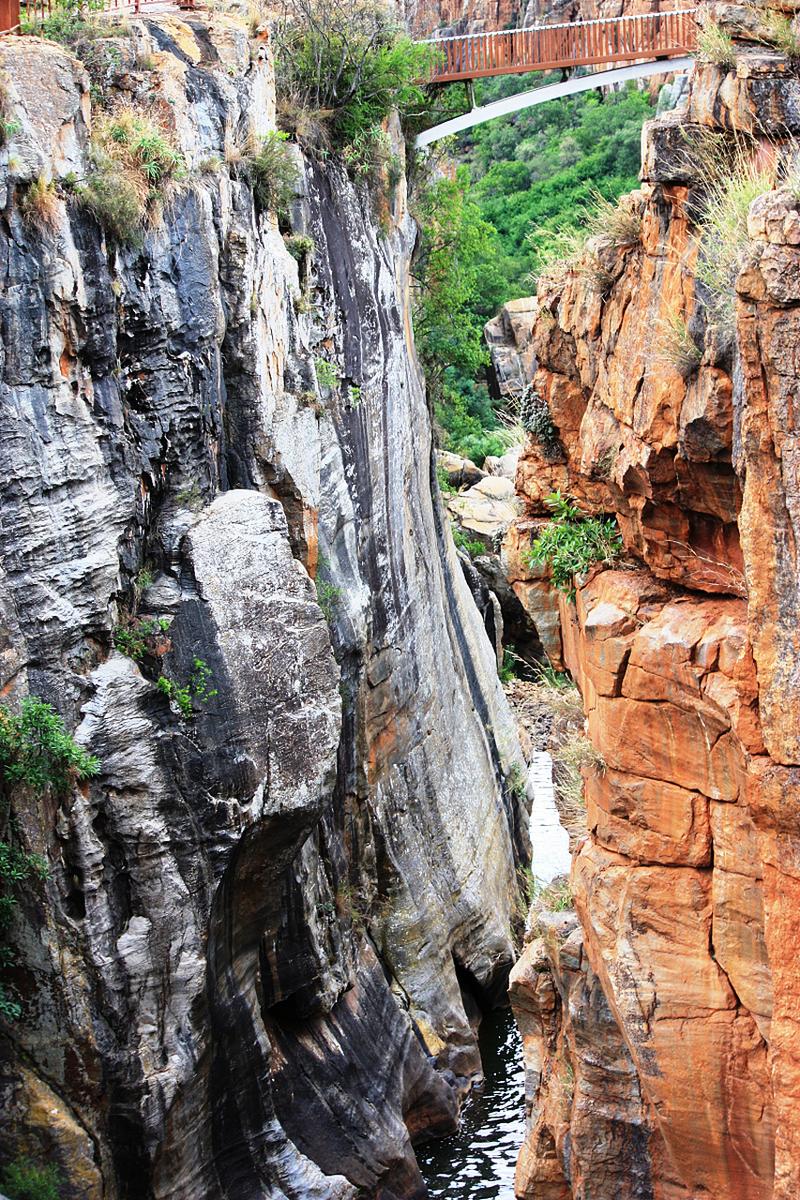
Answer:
(255, 965)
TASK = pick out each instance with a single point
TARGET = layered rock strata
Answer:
(678, 974)
(255, 965)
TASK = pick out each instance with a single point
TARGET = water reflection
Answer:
(478, 1161)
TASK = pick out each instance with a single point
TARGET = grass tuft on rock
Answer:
(676, 346)
(715, 45)
(135, 166)
(40, 207)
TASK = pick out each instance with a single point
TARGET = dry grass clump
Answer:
(40, 207)
(571, 757)
(135, 167)
(676, 346)
(777, 29)
(715, 45)
(615, 226)
(605, 226)
(722, 230)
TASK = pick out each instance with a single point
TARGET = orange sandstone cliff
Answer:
(660, 1021)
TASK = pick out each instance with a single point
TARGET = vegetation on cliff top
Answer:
(341, 68)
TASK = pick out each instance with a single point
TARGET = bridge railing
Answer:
(34, 12)
(579, 43)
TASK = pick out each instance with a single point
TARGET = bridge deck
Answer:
(581, 43)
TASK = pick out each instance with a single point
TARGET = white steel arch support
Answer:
(553, 91)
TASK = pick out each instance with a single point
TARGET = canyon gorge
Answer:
(276, 860)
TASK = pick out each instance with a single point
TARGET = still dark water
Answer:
(477, 1162)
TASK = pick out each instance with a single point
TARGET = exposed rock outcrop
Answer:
(266, 928)
(686, 660)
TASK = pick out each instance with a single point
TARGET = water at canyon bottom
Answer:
(477, 1162)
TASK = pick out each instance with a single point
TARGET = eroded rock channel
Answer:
(272, 805)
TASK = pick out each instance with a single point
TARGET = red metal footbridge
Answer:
(547, 47)
(633, 46)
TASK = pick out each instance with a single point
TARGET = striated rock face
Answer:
(266, 928)
(680, 972)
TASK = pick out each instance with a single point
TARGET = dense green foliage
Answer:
(36, 752)
(342, 67)
(572, 542)
(22, 1179)
(524, 184)
(140, 638)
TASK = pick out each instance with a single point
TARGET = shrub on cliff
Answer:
(273, 171)
(572, 542)
(134, 165)
(35, 752)
(22, 1179)
(346, 64)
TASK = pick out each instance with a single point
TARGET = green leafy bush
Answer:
(300, 245)
(22, 1179)
(37, 751)
(328, 376)
(347, 64)
(183, 697)
(471, 546)
(139, 638)
(445, 486)
(572, 542)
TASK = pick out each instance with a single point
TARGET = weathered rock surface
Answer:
(686, 658)
(298, 893)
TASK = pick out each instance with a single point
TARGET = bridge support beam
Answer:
(553, 91)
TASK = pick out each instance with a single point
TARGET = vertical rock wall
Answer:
(255, 965)
(679, 975)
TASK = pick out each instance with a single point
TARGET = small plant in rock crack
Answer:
(328, 594)
(471, 546)
(23, 1179)
(515, 781)
(299, 245)
(555, 896)
(445, 486)
(328, 376)
(197, 691)
(508, 670)
(137, 639)
(573, 542)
